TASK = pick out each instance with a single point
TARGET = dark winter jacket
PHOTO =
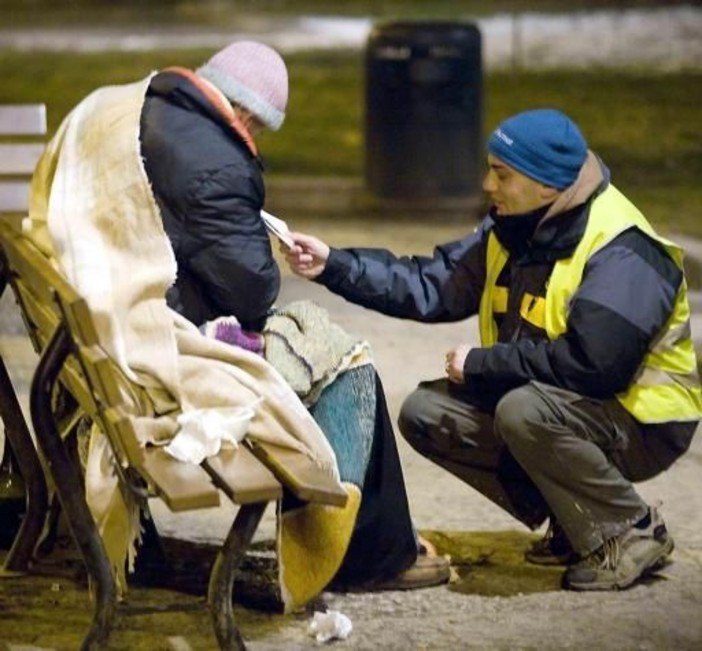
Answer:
(209, 187)
(612, 311)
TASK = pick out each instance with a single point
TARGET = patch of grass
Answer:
(491, 563)
(644, 125)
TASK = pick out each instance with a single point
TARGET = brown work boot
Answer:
(427, 571)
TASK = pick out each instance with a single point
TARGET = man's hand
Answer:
(308, 256)
(455, 361)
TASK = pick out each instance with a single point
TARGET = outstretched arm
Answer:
(445, 286)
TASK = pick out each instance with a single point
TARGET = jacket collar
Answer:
(219, 105)
(591, 180)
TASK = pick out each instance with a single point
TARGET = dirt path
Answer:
(497, 603)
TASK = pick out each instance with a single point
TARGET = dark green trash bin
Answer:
(423, 110)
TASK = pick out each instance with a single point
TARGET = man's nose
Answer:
(488, 182)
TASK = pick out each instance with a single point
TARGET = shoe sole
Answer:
(660, 561)
(549, 561)
(427, 572)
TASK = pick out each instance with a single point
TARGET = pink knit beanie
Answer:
(253, 76)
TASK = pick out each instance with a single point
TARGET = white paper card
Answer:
(278, 227)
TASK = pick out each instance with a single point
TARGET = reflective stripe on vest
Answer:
(666, 387)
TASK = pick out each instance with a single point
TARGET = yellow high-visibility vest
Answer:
(666, 386)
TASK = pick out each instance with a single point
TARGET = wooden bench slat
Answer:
(120, 429)
(72, 378)
(182, 486)
(101, 373)
(14, 196)
(40, 278)
(19, 158)
(46, 321)
(18, 155)
(23, 119)
(242, 477)
(34, 269)
(299, 473)
(80, 319)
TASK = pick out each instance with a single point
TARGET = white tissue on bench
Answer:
(203, 432)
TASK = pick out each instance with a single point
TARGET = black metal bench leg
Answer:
(71, 491)
(220, 591)
(18, 441)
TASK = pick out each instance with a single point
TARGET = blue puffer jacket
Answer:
(209, 187)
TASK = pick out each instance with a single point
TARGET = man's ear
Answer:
(251, 122)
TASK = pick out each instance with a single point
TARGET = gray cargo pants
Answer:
(544, 451)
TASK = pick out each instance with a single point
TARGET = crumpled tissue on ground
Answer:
(203, 432)
(325, 627)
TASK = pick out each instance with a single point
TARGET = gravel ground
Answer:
(494, 612)
(660, 614)
(500, 604)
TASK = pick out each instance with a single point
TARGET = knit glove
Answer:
(228, 330)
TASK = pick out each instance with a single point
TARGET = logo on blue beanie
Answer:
(503, 136)
(543, 144)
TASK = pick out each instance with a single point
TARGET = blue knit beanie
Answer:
(543, 144)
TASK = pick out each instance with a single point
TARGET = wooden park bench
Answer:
(22, 131)
(72, 361)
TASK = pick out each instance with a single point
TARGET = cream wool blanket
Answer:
(92, 210)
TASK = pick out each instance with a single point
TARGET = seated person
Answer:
(197, 137)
